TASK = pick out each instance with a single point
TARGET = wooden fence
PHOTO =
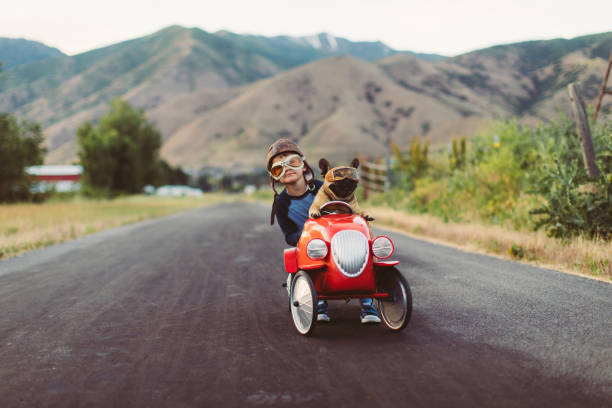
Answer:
(374, 175)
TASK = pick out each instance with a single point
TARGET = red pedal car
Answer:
(336, 258)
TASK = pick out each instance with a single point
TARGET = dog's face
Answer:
(340, 182)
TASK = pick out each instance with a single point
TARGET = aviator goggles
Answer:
(295, 161)
(340, 173)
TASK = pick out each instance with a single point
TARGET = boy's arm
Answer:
(290, 230)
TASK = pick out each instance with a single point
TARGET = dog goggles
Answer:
(295, 161)
(340, 173)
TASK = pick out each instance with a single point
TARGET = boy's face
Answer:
(291, 175)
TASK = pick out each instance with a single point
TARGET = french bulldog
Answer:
(339, 185)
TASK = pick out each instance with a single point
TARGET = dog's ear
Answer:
(355, 163)
(324, 166)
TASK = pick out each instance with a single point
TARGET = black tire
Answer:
(397, 309)
(303, 305)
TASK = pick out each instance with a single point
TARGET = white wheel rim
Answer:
(392, 309)
(303, 314)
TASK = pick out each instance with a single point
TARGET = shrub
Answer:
(457, 157)
(412, 164)
(513, 175)
(574, 203)
(491, 182)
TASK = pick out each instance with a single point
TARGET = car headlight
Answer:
(316, 249)
(382, 247)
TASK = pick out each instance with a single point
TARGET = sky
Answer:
(433, 26)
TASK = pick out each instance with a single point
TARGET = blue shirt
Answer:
(292, 212)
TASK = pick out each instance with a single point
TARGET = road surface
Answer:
(188, 311)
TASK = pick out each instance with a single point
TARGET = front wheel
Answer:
(303, 303)
(395, 310)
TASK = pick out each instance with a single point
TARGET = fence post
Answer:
(372, 179)
(364, 170)
(389, 175)
(584, 131)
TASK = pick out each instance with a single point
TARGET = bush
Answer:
(513, 175)
(574, 203)
(412, 164)
(488, 183)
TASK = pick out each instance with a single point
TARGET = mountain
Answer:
(62, 92)
(336, 107)
(219, 97)
(543, 69)
(526, 79)
(341, 106)
(18, 51)
(369, 51)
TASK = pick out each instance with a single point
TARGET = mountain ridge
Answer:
(19, 51)
(216, 93)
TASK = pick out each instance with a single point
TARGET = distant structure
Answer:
(63, 179)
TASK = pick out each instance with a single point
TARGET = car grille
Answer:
(350, 252)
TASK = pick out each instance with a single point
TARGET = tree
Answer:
(20, 146)
(412, 164)
(121, 154)
(171, 175)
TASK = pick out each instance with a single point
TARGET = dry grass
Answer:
(579, 256)
(24, 227)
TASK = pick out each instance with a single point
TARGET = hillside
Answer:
(334, 107)
(538, 72)
(18, 51)
(63, 92)
(341, 106)
(219, 95)
(337, 106)
(525, 79)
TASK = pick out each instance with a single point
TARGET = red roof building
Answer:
(62, 179)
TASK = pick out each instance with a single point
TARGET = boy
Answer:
(285, 163)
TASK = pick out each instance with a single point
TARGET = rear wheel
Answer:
(395, 310)
(303, 303)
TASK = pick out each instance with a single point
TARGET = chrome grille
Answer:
(350, 252)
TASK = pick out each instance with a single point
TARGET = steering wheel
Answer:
(336, 207)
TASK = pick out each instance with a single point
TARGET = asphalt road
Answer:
(188, 311)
